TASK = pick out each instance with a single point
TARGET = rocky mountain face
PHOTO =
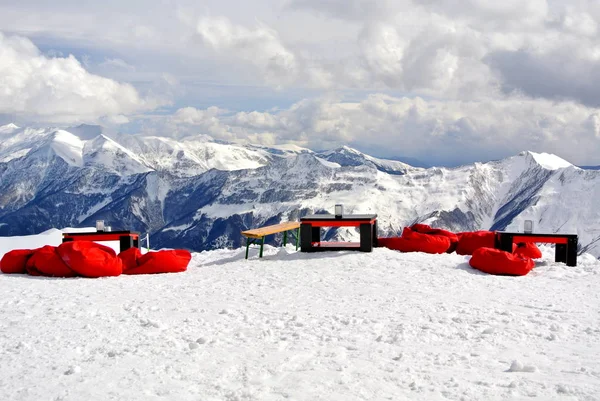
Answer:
(200, 194)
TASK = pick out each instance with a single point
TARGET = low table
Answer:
(127, 239)
(310, 232)
(566, 244)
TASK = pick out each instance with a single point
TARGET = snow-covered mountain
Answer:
(200, 193)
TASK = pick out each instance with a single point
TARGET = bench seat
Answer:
(252, 236)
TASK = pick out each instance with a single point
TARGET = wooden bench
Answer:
(257, 235)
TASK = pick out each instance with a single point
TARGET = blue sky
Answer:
(444, 81)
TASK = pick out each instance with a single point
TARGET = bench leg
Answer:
(247, 246)
(125, 242)
(571, 257)
(560, 253)
(284, 238)
(262, 243)
(297, 237)
(366, 237)
(306, 232)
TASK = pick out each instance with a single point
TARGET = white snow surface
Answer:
(550, 161)
(68, 147)
(324, 326)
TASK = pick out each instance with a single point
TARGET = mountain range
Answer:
(199, 194)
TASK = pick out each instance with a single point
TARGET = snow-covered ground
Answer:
(294, 326)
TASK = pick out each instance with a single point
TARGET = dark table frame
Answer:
(127, 239)
(310, 232)
(566, 244)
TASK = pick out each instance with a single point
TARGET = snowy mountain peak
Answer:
(105, 152)
(548, 160)
(347, 156)
(8, 128)
(68, 147)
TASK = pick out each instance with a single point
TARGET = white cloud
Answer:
(493, 74)
(117, 63)
(444, 132)
(58, 89)
(260, 46)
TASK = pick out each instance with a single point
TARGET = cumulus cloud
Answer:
(260, 46)
(58, 89)
(480, 78)
(443, 132)
(356, 10)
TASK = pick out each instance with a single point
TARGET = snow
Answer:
(104, 151)
(327, 163)
(328, 326)
(550, 161)
(8, 128)
(68, 147)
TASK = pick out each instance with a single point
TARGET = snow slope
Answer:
(328, 326)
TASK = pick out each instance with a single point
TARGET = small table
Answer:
(127, 239)
(310, 232)
(566, 244)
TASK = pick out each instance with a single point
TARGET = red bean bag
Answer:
(495, 261)
(47, 262)
(398, 244)
(427, 243)
(425, 229)
(527, 250)
(412, 241)
(130, 258)
(90, 259)
(468, 242)
(15, 261)
(166, 261)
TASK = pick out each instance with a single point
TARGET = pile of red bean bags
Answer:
(89, 259)
(480, 244)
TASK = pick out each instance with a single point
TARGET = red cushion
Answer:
(166, 261)
(425, 229)
(527, 250)
(47, 262)
(15, 261)
(90, 259)
(130, 258)
(468, 242)
(495, 261)
(427, 243)
(397, 244)
(412, 241)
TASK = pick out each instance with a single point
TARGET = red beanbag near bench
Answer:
(166, 261)
(412, 241)
(468, 242)
(427, 243)
(398, 244)
(15, 261)
(90, 259)
(130, 258)
(528, 250)
(47, 262)
(495, 261)
(425, 229)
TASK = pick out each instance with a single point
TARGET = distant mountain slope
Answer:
(200, 194)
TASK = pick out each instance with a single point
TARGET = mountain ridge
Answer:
(202, 194)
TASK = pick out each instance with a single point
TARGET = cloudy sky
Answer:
(443, 81)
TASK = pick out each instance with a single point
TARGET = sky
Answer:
(446, 82)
